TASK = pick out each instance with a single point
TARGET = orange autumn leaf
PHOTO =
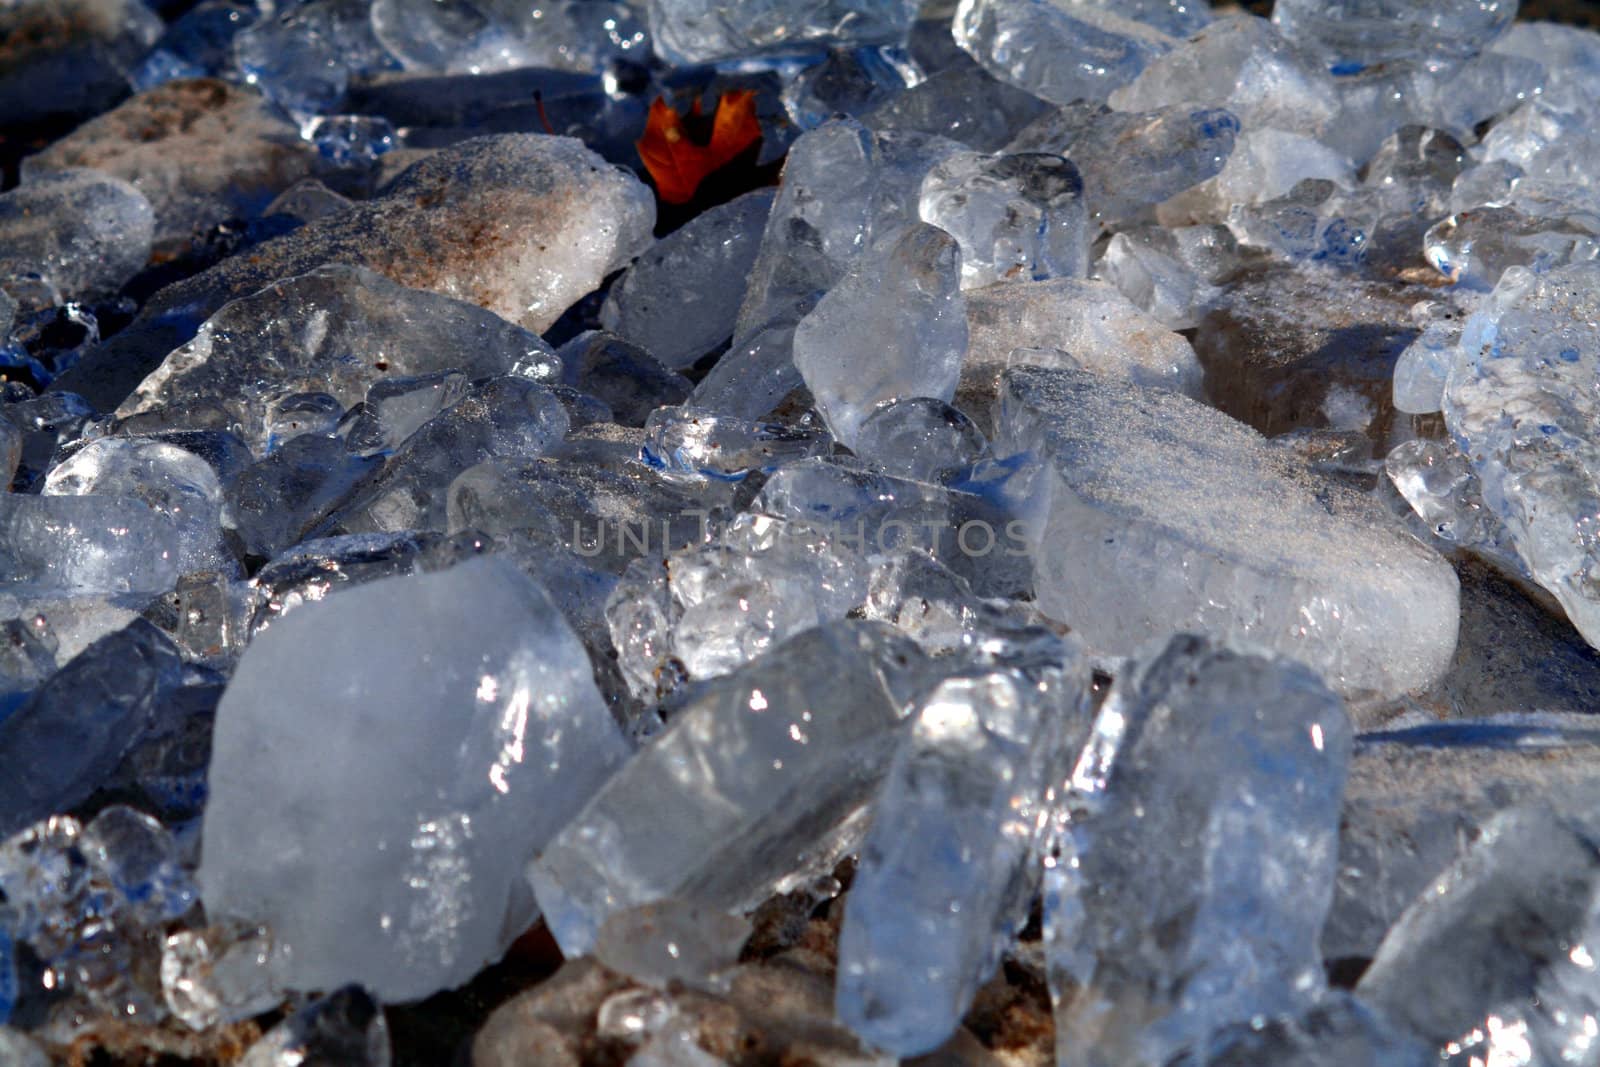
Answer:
(677, 163)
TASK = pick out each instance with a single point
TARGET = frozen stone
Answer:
(700, 31)
(671, 941)
(1130, 160)
(1220, 533)
(1475, 248)
(347, 1027)
(626, 377)
(784, 751)
(1241, 63)
(1517, 404)
(922, 439)
(1197, 868)
(1492, 961)
(1357, 33)
(407, 878)
(339, 330)
(681, 297)
(895, 326)
(520, 224)
(1419, 798)
(70, 58)
(571, 35)
(221, 974)
(67, 738)
(504, 418)
(947, 868)
(683, 441)
(174, 483)
(1014, 216)
(964, 103)
(103, 544)
(1056, 49)
(1094, 323)
(201, 151)
(82, 232)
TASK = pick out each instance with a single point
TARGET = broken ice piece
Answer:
(921, 438)
(1015, 216)
(1493, 962)
(1057, 50)
(346, 1027)
(624, 376)
(1198, 866)
(396, 408)
(221, 974)
(698, 443)
(1352, 36)
(895, 326)
(1421, 370)
(783, 752)
(702, 31)
(947, 868)
(1474, 248)
(437, 728)
(671, 941)
(83, 232)
(1439, 484)
(338, 330)
(1218, 533)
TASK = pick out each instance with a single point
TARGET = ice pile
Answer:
(684, 533)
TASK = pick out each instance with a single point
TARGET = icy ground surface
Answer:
(692, 533)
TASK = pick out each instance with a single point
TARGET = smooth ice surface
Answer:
(947, 867)
(699, 31)
(338, 330)
(894, 327)
(1056, 49)
(1195, 871)
(437, 729)
(82, 232)
(681, 298)
(747, 784)
(1150, 491)
(103, 544)
(1519, 402)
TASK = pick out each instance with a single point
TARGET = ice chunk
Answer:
(783, 751)
(280, 500)
(622, 375)
(964, 103)
(196, 44)
(174, 483)
(1180, 18)
(1157, 272)
(1192, 883)
(1267, 164)
(347, 1027)
(671, 941)
(1524, 898)
(700, 31)
(894, 327)
(67, 738)
(1475, 248)
(104, 544)
(683, 441)
(221, 974)
(338, 330)
(438, 729)
(1517, 403)
(1091, 321)
(1420, 372)
(681, 297)
(922, 439)
(948, 867)
(1358, 34)
(851, 81)
(577, 35)
(1014, 216)
(1056, 49)
(201, 151)
(396, 408)
(304, 57)
(1439, 484)
(82, 232)
(1218, 533)
(1339, 1031)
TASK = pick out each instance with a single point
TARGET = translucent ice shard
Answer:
(283, 498)
(1339, 1031)
(699, 31)
(1193, 880)
(671, 941)
(624, 376)
(922, 439)
(221, 974)
(104, 544)
(1056, 49)
(1475, 248)
(1357, 33)
(1516, 402)
(688, 442)
(896, 326)
(948, 865)
(338, 330)
(67, 738)
(1439, 484)
(783, 752)
(681, 297)
(1160, 273)
(304, 57)
(1218, 533)
(84, 233)
(1015, 216)
(201, 152)
(1524, 898)
(577, 35)
(437, 729)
